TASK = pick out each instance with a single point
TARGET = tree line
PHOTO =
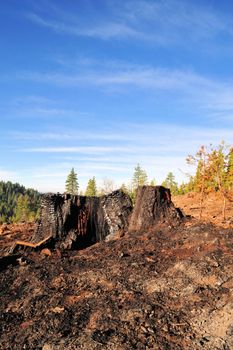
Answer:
(18, 203)
(139, 178)
(213, 172)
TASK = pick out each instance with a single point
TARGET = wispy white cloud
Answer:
(102, 30)
(171, 21)
(159, 148)
(213, 97)
(93, 145)
(192, 18)
(131, 137)
(43, 112)
(147, 141)
(84, 170)
(81, 149)
(106, 135)
(134, 75)
(33, 107)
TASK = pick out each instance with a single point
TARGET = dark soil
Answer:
(167, 289)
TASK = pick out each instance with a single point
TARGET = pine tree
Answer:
(124, 188)
(91, 189)
(170, 183)
(153, 182)
(72, 183)
(24, 210)
(139, 177)
(9, 197)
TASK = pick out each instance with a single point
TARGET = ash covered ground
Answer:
(167, 288)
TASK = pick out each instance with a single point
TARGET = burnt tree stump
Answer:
(76, 222)
(80, 221)
(153, 206)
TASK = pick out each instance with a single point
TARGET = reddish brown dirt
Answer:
(167, 289)
(212, 207)
(9, 233)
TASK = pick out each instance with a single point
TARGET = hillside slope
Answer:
(212, 207)
(17, 202)
(170, 288)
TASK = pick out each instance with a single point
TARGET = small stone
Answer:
(150, 330)
(58, 309)
(48, 347)
(46, 251)
(124, 255)
(148, 308)
(144, 329)
(21, 261)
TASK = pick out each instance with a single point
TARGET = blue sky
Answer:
(101, 85)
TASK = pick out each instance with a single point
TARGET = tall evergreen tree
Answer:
(139, 177)
(23, 210)
(10, 203)
(124, 188)
(170, 183)
(91, 189)
(153, 182)
(72, 183)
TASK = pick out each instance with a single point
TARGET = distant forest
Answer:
(18, 203)
(213, 173)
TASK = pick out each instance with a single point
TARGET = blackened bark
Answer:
(153, 206)
(80, 221)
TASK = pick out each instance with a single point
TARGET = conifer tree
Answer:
(24, 210)
(91, 189)
(139, 177)
(124, 188)
(10, 205)
(153, 182)
(72, 183)
(170, 183)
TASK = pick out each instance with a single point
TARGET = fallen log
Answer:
(22, 244)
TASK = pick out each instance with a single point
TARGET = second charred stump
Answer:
(153, 205)
(80, 221)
